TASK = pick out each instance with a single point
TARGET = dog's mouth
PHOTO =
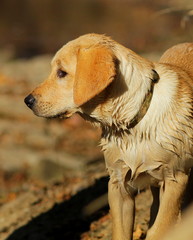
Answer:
(62, 115)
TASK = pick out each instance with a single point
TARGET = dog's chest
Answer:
(150, 154)
(143, 160)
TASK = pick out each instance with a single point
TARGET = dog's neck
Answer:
(132, 105)
(119, 128)
(129, 99)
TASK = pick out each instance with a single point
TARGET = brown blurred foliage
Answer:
(31, 27)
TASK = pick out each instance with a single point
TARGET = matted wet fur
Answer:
(145, 112)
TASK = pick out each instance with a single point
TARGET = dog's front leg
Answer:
(122, 206)
(169, 209)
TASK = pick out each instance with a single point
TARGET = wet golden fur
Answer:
(145, 112)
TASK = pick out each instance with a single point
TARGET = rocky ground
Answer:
(53, 182)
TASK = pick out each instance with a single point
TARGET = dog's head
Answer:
(81, 70)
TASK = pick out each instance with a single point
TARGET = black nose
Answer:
(29, 101)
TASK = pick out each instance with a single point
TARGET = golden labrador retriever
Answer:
(145, 110)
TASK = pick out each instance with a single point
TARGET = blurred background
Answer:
(35, 150)
(32, 27)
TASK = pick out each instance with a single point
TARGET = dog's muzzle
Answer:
(30, 101)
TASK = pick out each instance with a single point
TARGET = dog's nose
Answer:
(29, 101)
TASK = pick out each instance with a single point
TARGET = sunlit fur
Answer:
(156, 151)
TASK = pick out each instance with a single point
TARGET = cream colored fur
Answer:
(154, 150)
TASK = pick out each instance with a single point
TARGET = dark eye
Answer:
(61, 73)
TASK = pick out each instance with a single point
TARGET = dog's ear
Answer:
(95, 70)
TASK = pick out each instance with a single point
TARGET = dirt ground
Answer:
(75, 208)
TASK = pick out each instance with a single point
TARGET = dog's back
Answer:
(180, 55)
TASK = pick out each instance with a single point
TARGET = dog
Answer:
(145, 111)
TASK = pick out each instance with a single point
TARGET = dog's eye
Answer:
(61, 73)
